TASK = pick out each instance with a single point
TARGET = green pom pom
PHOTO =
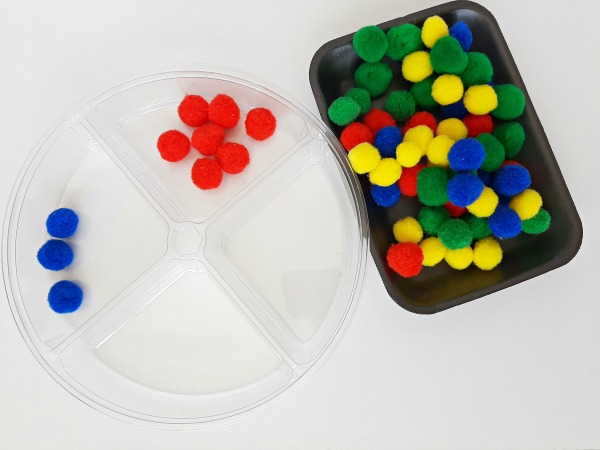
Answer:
(374, 77)
(401, 105)
(447, 56)
(431, 217)
(512, 136)
(478, 225)
(343, 111)
(362, 97)
(455, 234)
(370, 43)
(538, 223)
(421, 91)
(479, 70)
(403, 40)
(494, 152)
(431, 186)
(511, 102)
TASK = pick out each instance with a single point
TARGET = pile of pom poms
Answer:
(450, 140)
(210, 122)
(56, 254)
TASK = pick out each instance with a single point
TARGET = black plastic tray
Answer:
(439, 288)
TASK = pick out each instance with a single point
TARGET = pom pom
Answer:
(354, 134)
(438, 149)
(511, 102)
(224, 111)
(420, 135)
(485, 205)
(362, 97)
(511, 179)
(62, 223)
(420, 118)
(386, 173)
(456, 110)
(447, 56)
(370, 43)
(478, 225)
(447, 89)
(208, 138)
(260, 124)
(453, 128)
(455, 211)
(494, 152)
(403, 40)
(433, 29)
(193, 110)
(173, 145)
(374, 77)
(455, 234)
(232, 157)
(406, 259)
(480, 99)
(512, 137)
(526, 204)
(459, 259)
(65, 297)
(431, 218)
(478, 124)
(487, 253)
(478, 71)
(505, 223)
(538, 223)
(431, 186)
(416, 66)
(464, 188)
(421, 92)
(408, 229)
(408, 154)
(433, 251)
(207, 173)
(401, 105)
(377, 119)
(462, 33)
(343, 111)
(408, 180)
(55, 255)
(466, 155)
(386, 141)
(364, 158)
(386, 196)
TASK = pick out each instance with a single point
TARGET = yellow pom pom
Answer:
(447, 89)
(480, 99)
(420, 135)
(453, 128)
(433, 251)
(408, 154)
(459, 259)
(433, 29)
(487, 253)
(364, 158)
(386, 173)
(485, 205)
(416, 66)
(408, 230)
(527, 204)
(438, 149)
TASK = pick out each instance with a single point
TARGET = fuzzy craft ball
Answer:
(455, 110)
(511, 179)
(387, 172)
(401, 105)
(232, 157)
(408, 229)
(370, 43)
(464, 188)
(538, 223)
(463, 34)
(208, 138)
(421, 118)
(386, 141)
(193, 110)
(433, 29)
(447, 56)
(408, 154)
(447, 89)
(480, 99)
(505, 223)
(416, 66)
(479, 70)
(511, 102)
(421, 92)
(173, 145)
(433, 251)
(374, 77)
(459, 259)
(455, 234)
(55, 255)
(377, 119)
(512, 137)
(260, 124)
(386, 196)
(431, 218)
(431, 186)
(466, 155)
(403, 40)
(224, 111)
(62, 223)
(354, 134)
(362, 97)
(478, 124)
(406, 259)
(207, 173)
(487, 253)
(408, 180)
(65, 297)
(343, 111)
(364, 158)
(494, 152)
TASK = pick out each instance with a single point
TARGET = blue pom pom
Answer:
(65, 297)
(55, 255)
(462, 33)
(464, 188)
(466, 155)
(386, 196)
(505, 222)
(62, 223)
(485, 177)
(457, 110)
(511, 179)
(386, 141)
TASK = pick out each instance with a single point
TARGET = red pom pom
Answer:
(509, 162)
(193, 110)
(455, 211)
(208, 138)
(224, 111)
(232, 157)
(207, 173)
(376, 119)
(173, 145)
(408, 180)
(354, 134)
(406, 259)
(478, 124)
(420, 118)
(260, 124)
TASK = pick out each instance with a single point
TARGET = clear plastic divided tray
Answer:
(199, 306)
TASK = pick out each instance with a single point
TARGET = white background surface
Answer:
(517, 369)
